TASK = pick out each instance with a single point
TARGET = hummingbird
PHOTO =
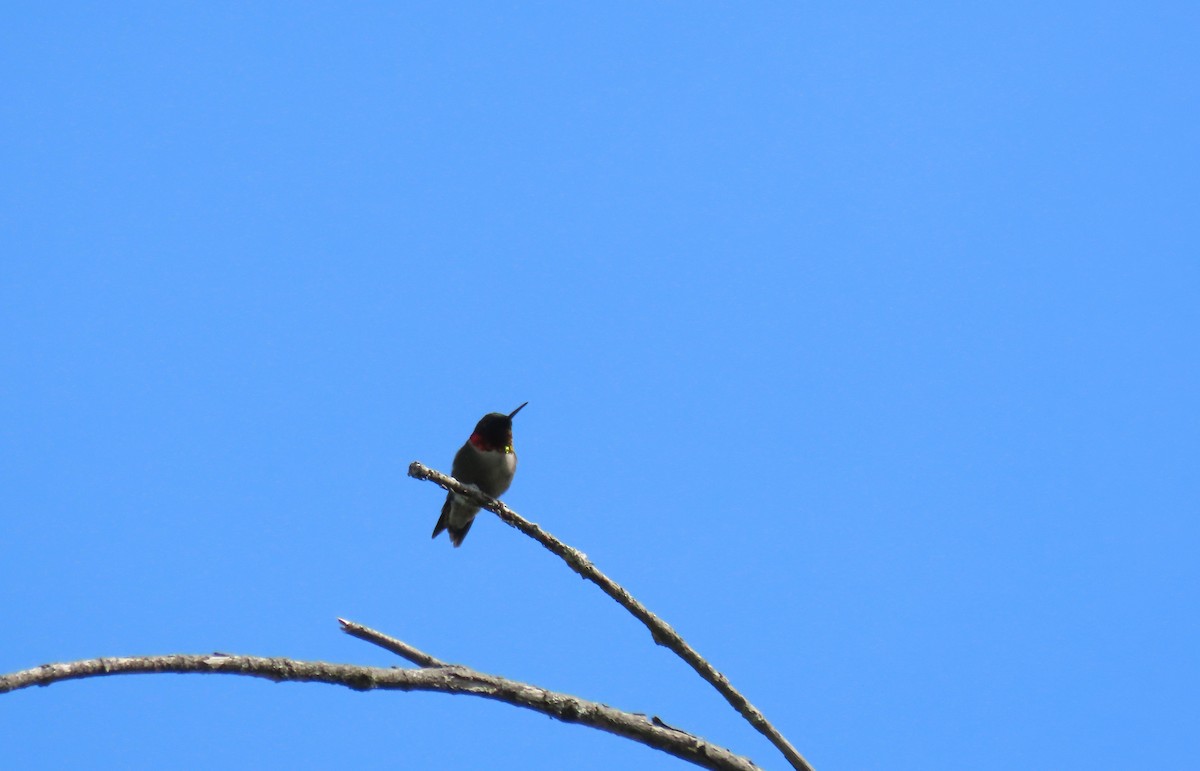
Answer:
(486, 462)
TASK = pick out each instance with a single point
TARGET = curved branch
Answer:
(445, 679)
(660, 630)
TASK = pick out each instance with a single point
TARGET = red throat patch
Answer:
(479, 443)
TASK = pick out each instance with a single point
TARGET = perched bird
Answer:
(487, 462)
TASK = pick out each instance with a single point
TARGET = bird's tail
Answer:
(443, 520)
(457, 533)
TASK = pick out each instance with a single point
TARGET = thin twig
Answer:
(453, 679)
(662, 632)
(389, 643)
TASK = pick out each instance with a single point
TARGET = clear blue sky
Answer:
(861, 344)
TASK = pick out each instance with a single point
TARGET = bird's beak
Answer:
(513, 414)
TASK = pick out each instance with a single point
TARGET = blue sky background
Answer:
(860, 344)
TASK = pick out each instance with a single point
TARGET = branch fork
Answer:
(660, 631)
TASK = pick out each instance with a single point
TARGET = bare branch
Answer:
(389, 643)
(662, 632)
(449, 679)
